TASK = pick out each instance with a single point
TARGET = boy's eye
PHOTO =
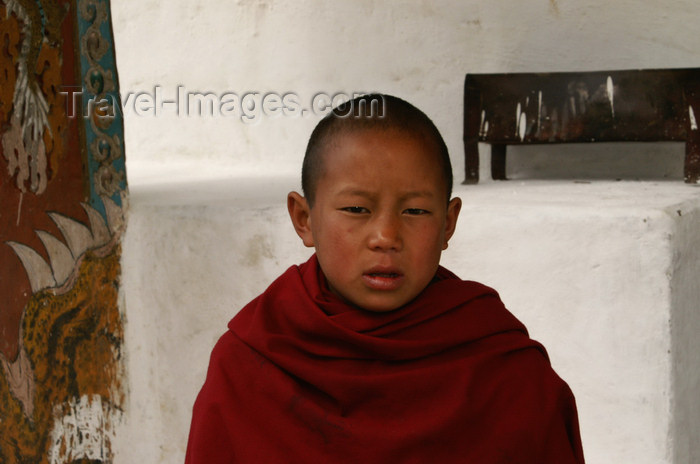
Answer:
(355, 209)
(415, 211)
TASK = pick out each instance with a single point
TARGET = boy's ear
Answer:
(453, 208)
(300, 213)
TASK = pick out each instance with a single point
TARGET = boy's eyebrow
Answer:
(353, 191)
(418, 193)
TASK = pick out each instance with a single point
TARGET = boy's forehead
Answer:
(350, 153)
(356, 143)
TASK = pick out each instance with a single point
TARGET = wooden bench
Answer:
(580, 107)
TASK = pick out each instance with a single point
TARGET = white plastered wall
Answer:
(605, 274)
(416, 49)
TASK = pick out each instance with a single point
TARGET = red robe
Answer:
(452, 377)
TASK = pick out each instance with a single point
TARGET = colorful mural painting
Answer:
(62, 202)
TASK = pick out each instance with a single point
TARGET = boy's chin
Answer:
(380, 305)
(374, 301)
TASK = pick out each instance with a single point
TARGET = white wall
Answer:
(190, 226)
(416, 49)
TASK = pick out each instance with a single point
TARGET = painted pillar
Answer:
(62, 202)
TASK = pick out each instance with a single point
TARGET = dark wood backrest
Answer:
(579, 107)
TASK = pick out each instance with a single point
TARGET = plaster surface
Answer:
(603, 273)
(417, 50)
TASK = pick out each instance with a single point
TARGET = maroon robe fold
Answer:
(452, 377)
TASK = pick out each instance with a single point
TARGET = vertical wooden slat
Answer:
(498, 161)
(472, 120)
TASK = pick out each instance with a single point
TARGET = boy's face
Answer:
(380, 219)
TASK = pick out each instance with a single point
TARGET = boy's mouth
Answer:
(383, 274)
(382, 279)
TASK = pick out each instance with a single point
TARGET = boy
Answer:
(370, 352)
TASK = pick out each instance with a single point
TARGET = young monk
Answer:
(370, 352)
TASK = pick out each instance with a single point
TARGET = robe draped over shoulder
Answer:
(452, 377)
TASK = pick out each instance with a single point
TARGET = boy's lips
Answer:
(382, 278)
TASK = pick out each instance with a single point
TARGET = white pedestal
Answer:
(605, 274)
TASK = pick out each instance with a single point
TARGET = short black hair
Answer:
(369, 112)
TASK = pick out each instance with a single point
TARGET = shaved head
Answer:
(375, 112)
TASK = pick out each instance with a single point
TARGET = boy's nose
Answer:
(385, 234)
